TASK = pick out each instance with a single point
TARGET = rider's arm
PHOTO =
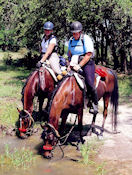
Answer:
(48, 52)
(85, 59)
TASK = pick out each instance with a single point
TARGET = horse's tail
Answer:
(114, 100)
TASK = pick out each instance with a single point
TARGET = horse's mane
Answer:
(22, 92)
(55, 91)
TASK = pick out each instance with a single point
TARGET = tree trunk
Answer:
(123, 61)
(116, 61)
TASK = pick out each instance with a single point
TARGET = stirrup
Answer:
(93, 109)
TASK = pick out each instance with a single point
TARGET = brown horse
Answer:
(39, 83)
(68, 97)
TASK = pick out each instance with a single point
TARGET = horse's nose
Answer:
(48, 155)
(22, 135)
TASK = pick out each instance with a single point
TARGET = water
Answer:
(41, 166)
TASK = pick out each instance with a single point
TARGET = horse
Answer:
(68, 97)
(40, 83)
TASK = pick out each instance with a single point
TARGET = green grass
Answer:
(125, 88)
(8, 113)
(10, 80)
(17, 159)
(10, 90)
(89, 152)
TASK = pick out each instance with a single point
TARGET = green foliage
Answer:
(108, 22)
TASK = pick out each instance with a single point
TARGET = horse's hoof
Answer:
(79, 146)
(89, 134)
(116, 132)
(100, 137)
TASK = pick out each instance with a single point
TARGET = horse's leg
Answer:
(41, 100)
(105, 112)
(80, 126)
(63, 123)
(92, 127)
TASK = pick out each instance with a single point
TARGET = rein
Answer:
(66, 137)
(68, 134)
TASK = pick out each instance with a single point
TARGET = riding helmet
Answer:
(48, 26)
(76, 27)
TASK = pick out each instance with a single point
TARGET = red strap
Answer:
(47, 148)
(101, 72)
(22, 130)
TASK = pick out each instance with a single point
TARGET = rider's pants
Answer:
(54, 62)
(89, 74)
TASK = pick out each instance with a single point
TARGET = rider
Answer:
(80, 52)
(49, 50)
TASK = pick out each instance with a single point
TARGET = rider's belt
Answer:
(42, 53)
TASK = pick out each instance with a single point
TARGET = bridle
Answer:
(58, 138)
(53, 132)
(28, 116)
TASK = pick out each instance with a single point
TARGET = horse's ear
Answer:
(42, 126)
(19, 110)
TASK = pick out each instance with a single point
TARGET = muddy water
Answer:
(57, 166)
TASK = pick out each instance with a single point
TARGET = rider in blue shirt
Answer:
(80, 52)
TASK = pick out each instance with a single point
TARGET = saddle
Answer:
(46, 66)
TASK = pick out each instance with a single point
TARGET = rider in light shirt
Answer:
(49, 50)
(80, 52)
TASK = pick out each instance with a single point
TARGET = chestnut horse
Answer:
(39, 83)
(68, 97)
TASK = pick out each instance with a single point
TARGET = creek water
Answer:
(56, 166)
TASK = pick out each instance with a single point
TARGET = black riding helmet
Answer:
(76, 27)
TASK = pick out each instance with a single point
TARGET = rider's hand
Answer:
(39, 64)
(76, 67)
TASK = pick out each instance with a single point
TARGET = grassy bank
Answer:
(10, 90)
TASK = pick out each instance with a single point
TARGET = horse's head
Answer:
(25, 123)
(50, 137)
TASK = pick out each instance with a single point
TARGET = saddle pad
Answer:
(51, 72)
(81, 83)
(97, 81)
(78, 79)
(100, 72)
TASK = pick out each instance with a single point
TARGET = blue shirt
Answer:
(79, 47)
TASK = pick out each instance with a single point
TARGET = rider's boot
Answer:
(94, 105)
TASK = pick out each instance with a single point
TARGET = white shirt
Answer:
(45, 44)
